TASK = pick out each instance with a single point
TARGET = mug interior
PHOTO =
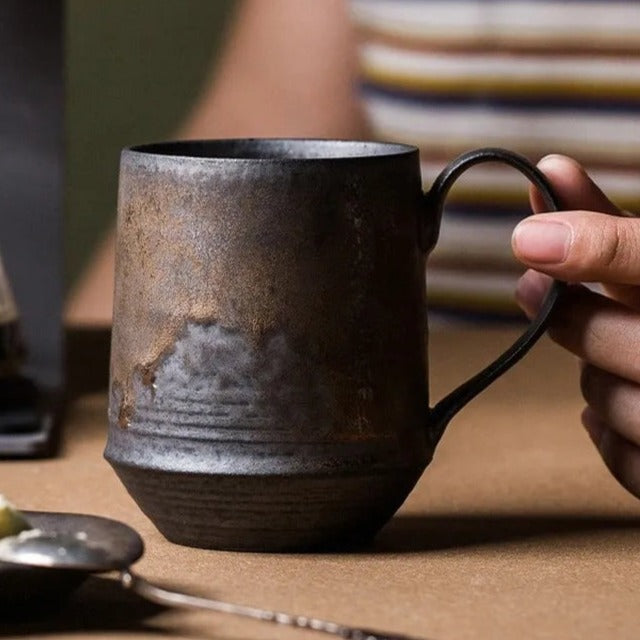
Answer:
(275, 149)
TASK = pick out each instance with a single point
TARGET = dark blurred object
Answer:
(18, 394)
(31, 153)
(87, 374)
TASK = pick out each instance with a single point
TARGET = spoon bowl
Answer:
(29, 574)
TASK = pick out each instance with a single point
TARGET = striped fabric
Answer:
(535, 76)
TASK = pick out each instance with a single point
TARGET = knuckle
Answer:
(612, 246)
(617, 247)
(596, 388)
(586, 383)
(606, 243)
(623, 460)
(601, 390)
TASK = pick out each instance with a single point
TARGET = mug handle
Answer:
(445, 409)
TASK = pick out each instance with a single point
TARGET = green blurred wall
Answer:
(133, 68)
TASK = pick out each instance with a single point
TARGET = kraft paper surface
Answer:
(516, 530)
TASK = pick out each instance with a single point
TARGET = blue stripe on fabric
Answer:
(448, 315)
(539, 102)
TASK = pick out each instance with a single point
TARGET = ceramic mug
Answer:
(268, 369)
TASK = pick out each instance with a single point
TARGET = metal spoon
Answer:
(91, 544)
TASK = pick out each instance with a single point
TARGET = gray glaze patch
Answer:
(215, 379)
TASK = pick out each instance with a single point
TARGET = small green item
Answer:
(12, 522)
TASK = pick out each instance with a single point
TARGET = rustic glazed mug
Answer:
(268, 367)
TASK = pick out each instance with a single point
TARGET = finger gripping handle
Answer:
(443, 411)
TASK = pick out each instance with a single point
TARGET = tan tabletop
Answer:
(516, 530)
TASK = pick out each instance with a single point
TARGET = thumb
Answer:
(580, 246)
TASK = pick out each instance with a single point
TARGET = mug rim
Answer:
(273, 150)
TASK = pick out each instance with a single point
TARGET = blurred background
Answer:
(132, 70)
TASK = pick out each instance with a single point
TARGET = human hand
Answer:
(591, 242)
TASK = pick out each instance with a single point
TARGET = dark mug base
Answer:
(267, 513)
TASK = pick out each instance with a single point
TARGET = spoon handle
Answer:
(176, 599)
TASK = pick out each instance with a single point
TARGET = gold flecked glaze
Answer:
(323, 252)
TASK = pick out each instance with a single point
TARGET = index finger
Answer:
(573, 186)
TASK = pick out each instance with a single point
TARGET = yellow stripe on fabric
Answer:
(480, 302)
(472, 259)
(502, 36)
(519, 87)
(474, 45)
(536, 41)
